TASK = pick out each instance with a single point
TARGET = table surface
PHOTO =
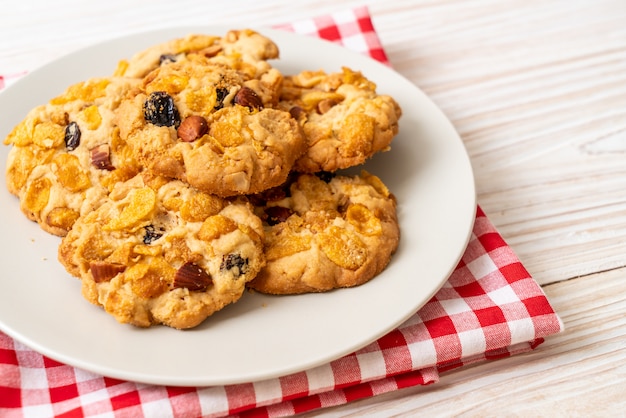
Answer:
(537, 91)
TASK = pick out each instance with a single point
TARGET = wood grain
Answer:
(537, 90)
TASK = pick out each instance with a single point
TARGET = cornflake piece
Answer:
(142, 202)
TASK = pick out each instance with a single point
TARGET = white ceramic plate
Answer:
(259, 337)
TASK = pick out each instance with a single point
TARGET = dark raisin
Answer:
(151, 234)
(72, 136)
(167, 58)
(221, 95)
(256, 199)
(160, 110)
(325, 176)
(273, 194)
(277, 214)
(235, 263)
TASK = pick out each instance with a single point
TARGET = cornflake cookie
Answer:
(204, 124)
(161, 252)
(344, 120)
(244, 50)
(324, 232)
(69, 151)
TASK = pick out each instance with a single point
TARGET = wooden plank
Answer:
(537, 91)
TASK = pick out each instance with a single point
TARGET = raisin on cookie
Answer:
(67, 150)
(344, 120)
(324, 232)
(161, 252)
(206, 125)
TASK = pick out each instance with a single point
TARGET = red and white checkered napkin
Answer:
(489, 308)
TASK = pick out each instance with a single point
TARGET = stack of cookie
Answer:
(198, 170)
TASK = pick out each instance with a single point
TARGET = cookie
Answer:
(244, 50)
(204, 124)
(68, 151)
(161, 252)
(324, 232)
(345, 121)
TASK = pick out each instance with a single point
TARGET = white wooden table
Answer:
(537, 91)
